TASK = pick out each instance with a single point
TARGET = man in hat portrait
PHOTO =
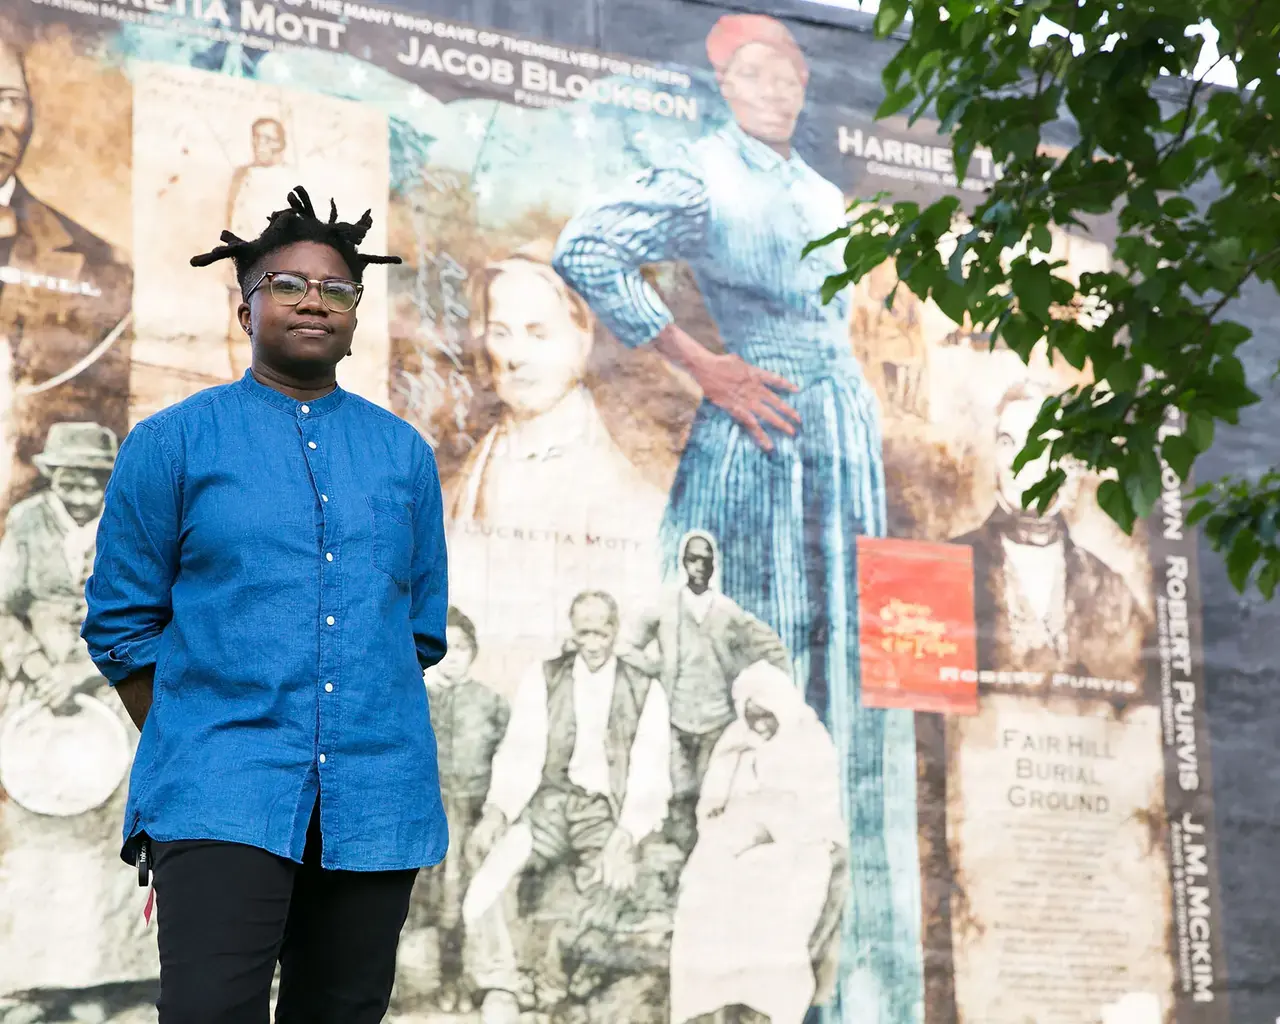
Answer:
(46, 555)
(64, 753)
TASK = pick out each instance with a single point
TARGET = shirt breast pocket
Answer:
(392, 539)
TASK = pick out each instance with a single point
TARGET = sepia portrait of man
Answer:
(64, 296)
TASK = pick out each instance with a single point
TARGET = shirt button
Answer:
(311, 445)
(324, 497)
(322, 759)
(306, 408)
(328, 556)
(329, 620)
(328, 687)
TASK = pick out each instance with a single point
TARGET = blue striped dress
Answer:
(739, 215)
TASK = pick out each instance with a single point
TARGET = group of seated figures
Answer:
(650, 830)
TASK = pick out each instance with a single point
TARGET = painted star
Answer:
(358, 75)
(417, 97)
(582, 127)
(474, 126)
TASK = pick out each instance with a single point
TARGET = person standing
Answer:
(783, 464)
(270, 585)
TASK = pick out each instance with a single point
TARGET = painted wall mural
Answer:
(765, 699)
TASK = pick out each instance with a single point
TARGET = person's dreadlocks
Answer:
(297, 223)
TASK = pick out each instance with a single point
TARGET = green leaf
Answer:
(1033, 287)
(1141, 476)
(1268, 578)
(896, 101)
(1115, 503)
(1197, 512)
(1180, 453)
(1244, 553)
(973, 26)
(890, 15)
(825, 240)
(1178, 207)
(834, 285)
(1199, 431)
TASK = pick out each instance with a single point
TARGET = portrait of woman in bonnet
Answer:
(783, 462)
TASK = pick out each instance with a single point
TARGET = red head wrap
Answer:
(734, 31)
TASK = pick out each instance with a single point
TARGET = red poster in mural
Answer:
(916, 632)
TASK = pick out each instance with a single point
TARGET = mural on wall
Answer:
(677, 485)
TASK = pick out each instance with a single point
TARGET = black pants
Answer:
(227, 913)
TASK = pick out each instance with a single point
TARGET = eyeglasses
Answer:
(289, 289)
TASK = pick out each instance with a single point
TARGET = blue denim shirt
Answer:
(282, 565)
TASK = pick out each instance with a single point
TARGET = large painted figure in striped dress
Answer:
(783, 463)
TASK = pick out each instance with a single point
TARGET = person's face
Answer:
(1012, 430)
(760, 721)
(699, 563)
(594, 632)
(308, 339)
(80, 491)
(765, 92)
(15, 111)
(268, 144)
(459, 656)
(537, 352)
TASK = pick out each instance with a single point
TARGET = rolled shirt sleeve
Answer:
(660, 215)
(129, 593)
(430, 568)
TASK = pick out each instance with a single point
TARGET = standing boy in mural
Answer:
(270, 585)
(255, 189)
(63, 293)
(704, 641)
(783, 463)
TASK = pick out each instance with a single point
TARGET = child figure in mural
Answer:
(469, 721)
(64, 754)
(255, 192)
(783, 463)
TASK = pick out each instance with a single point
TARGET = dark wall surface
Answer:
(1241, 634)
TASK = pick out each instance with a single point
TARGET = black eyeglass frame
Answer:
(269, 277)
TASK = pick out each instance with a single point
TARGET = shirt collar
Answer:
(7, 190)
(761, 157)
(582, 673)
(315, 407)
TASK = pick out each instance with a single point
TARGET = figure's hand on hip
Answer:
(750, 395)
